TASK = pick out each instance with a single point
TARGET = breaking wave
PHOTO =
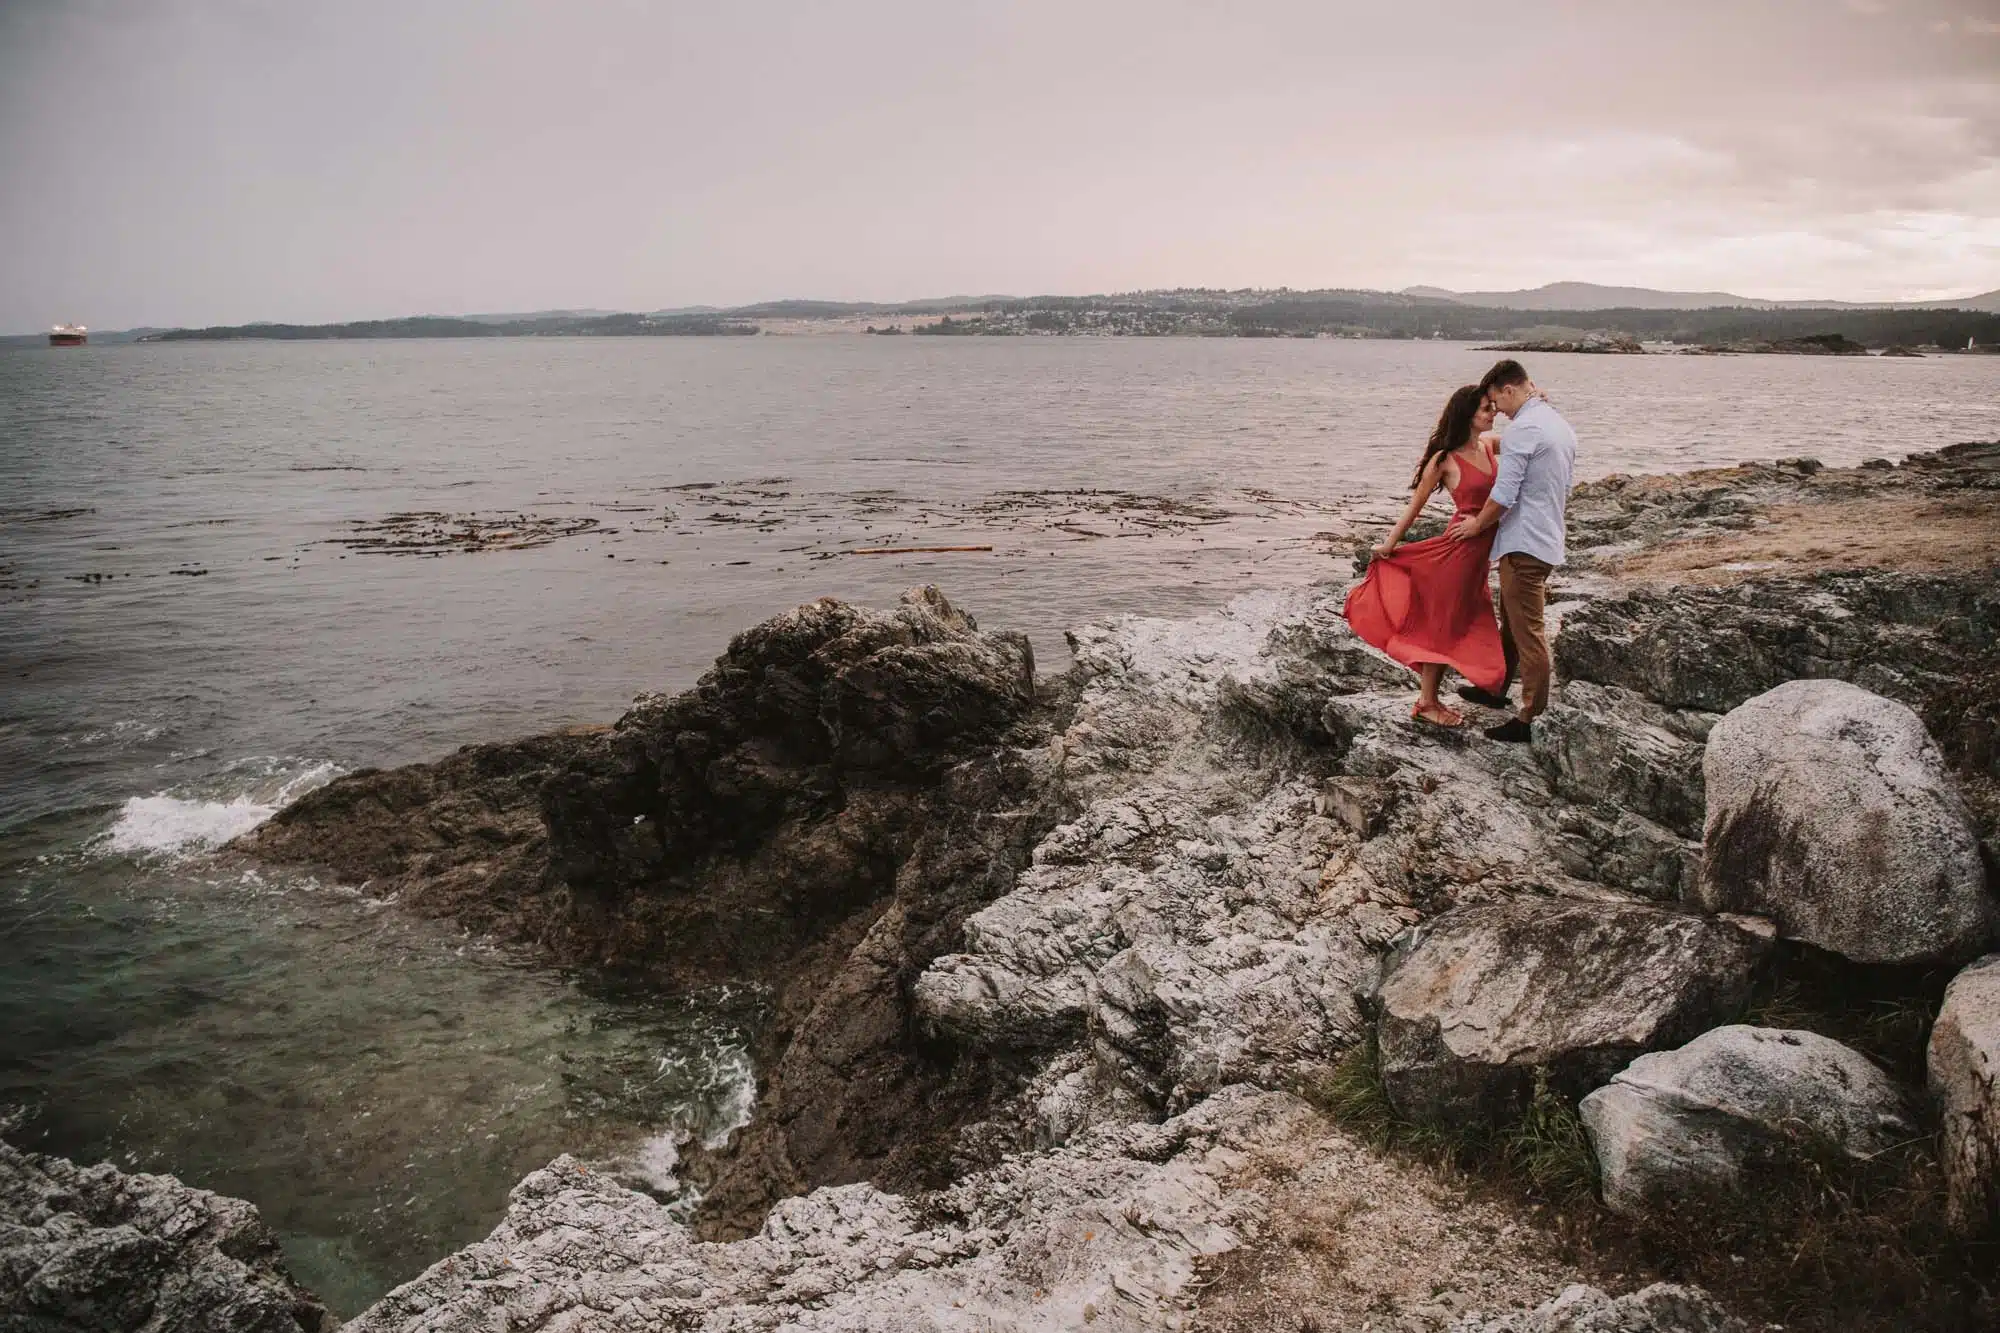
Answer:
(169, 823)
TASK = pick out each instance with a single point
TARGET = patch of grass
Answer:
(1543, 1151)
(1883, 1012)
(1548, 1149)
(1818, 1241)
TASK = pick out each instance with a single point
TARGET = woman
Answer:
(1427, 604)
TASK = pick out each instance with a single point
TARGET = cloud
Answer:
(216, 163)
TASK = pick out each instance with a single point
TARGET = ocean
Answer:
(230, 571)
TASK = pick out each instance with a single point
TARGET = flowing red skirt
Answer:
(1428, 602)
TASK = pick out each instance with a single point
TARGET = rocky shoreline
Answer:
(1061, 967)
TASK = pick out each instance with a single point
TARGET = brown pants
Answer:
(1524, 591)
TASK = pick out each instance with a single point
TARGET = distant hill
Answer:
(1592, 296)
(432, 326)
(522, 316)
(1561, 310)
(1986, 301)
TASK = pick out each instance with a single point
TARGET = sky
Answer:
(187, 162)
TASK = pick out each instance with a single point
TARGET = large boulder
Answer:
(1685, 1124)
(93, 1250)
(1829, 810)
(1474, 1003)
(1663, 1307)
(1965, 1078)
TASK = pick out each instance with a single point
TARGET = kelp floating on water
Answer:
(430, 532)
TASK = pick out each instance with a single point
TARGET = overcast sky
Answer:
(203, 161)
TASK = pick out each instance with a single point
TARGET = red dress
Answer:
(1428, 601)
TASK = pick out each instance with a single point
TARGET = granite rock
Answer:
(1684, 1124)
(1964, 1077)
(1830, 811)
(1475, 1003)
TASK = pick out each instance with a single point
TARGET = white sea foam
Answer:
(165, 824)
(722, 1107)
(738, 1100)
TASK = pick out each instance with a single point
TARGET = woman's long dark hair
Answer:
(1454, 427)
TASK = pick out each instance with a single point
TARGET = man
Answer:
(1529, 499)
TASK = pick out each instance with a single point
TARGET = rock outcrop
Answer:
(93, 1250)
(1035, 947)
(1661, 1308)
(462, 836)
(1830, 811)
(1964, 1077)
(1474, 1004)
(1684, 1125)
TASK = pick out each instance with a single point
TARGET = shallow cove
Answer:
(375, 1084)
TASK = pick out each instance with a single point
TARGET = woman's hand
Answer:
(1381, 549)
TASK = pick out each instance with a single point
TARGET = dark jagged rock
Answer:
(93, 1250)
(855, 1090)
(1475, 1003)
(817, 719)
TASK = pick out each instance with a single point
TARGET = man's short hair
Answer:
(1503, 375)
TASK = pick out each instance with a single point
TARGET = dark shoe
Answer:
(1484, 698)
(1514, 731)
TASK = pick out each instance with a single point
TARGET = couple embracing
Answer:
(1427, 603)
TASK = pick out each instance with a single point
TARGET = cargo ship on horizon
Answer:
(68, 335)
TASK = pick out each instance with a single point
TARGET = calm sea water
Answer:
(199, 618)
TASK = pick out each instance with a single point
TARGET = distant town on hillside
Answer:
(1560, 316)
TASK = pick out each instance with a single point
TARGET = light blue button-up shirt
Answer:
(1537, 457)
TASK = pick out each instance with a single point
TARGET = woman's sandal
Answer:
(1457, 722)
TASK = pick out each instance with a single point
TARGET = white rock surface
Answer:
(1684, 1124)
(1661, 1308)
(1109, 1232)
(95, 1250)
(1830, 811)
(1180, 924)
(1216, 910)
(1964, 1076)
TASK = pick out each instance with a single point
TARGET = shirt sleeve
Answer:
(1522, 442)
